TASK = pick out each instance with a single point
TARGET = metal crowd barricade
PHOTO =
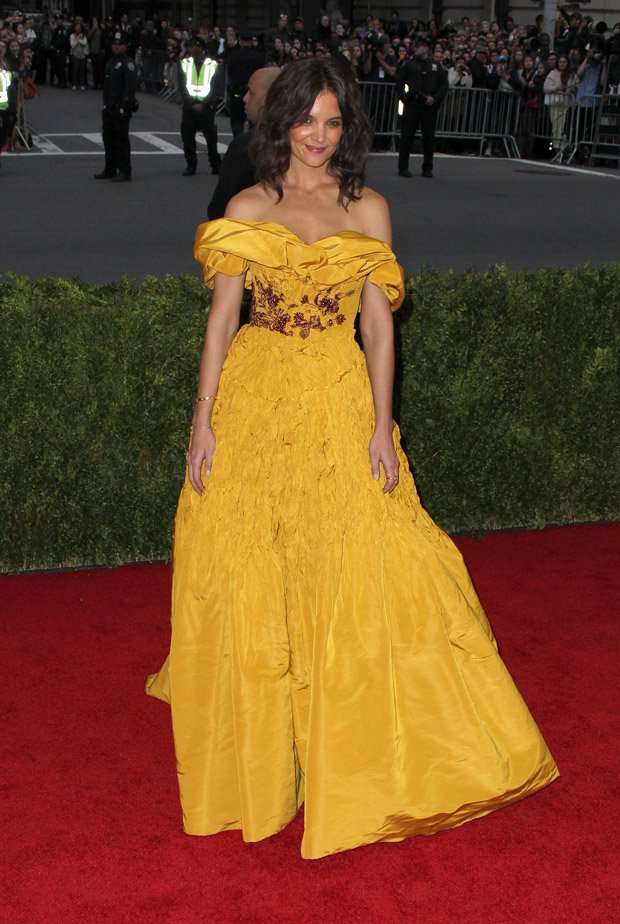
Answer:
(153, 64)
(606, 144)
(466, 113)
(380, 102)
(502, 120)
(552, 121)
(584, 122)
(21, 130)
(463, 114)
(171, 88)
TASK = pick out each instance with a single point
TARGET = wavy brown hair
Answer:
(289, 100)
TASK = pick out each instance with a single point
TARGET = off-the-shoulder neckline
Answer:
(275, 224)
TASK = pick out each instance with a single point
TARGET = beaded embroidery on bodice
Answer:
(271, 310)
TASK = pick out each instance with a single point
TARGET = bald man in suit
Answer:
(237, 170)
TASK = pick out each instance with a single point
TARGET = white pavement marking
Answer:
(164, 146)
(46, 146)
(222, 148)
(587, 171)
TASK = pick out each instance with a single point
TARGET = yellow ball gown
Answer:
(328, 646)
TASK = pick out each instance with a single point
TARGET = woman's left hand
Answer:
(382, 452)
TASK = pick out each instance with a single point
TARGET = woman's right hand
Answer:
(201, 449)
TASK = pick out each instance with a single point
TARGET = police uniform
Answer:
(415, 80)
(240, 65)
(119, 102)
(197, 78)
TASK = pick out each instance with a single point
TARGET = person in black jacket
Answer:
(242, 61)
(60, 53)
(119, 102)
(421, 85)
(237, 171)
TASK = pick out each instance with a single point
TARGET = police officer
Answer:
(119, 102)
(198, 112)
(240, 65)
(421, 85)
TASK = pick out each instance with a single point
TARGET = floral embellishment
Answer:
(269, 310)
(266, 309)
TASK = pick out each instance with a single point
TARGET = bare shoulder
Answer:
(374, 215)
(248, 204)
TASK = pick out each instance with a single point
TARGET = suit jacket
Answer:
(236, 173)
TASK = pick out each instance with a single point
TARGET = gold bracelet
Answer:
(206, 398)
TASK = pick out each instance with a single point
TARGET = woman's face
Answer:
(518, 57)
(315, 140)
(552, 61)
(528, 63)
(14, 47)
(562, 63)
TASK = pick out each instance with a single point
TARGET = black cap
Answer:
(246, 36)
(575, 14)
(422, 40)
(196, 40)
(119, 39)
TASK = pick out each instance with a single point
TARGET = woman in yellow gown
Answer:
(327, 644)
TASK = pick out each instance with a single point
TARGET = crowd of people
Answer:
(579, 60)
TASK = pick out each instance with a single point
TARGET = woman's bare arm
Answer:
(377, 329)
(222, 326)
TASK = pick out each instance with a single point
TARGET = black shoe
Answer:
(121, 178)
(406, 173)
(189, 171)
(427, 173)
(104, 175)
(215, 171)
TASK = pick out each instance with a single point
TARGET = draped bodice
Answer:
(299, 290)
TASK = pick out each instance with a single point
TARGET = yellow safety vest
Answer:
(198, 82)
(6, 78)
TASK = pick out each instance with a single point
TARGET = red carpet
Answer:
(90, 819)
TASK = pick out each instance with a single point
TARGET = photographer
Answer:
(421, 85)
(379, 67)
(460, 75)
(379, 63)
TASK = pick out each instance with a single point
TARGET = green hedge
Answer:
(506, 399)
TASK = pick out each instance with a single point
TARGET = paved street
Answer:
(476, 211)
